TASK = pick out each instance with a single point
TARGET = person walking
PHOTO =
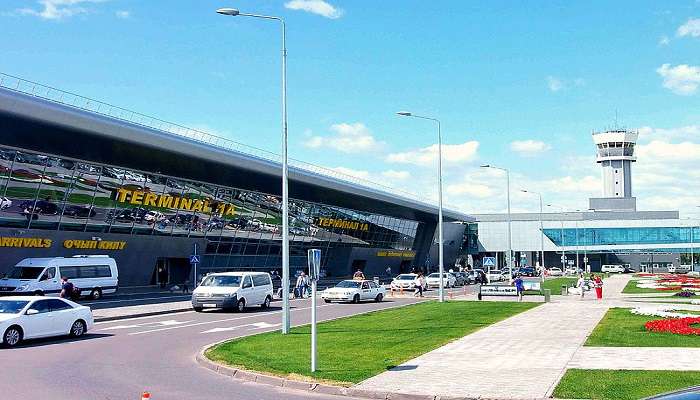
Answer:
(598, 287)
(519, 286)
(66, 288)
(301, 284)
(581, 283)
(388, 272)
(419, 282)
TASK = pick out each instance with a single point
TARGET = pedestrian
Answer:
(301, 285)
(598, 287)
(359, 275)
(519, 286)
(66, 288)
(418, 284)
(388, 272)
(581, 283)
(186, 286)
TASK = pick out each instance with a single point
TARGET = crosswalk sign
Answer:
(194, 259)
(489, 262)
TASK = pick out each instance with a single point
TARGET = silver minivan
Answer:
(233, 291)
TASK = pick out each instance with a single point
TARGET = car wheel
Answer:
(198, 309)
(326, 300)
(96, 294)
(13, 336)
(38, 293)
(356, 299)
(379, 298)
(78, 328)
(266, 303)
(240, 307)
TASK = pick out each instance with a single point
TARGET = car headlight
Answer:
(230, 294)
(23, 287)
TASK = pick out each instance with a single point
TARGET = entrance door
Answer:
(179, 270)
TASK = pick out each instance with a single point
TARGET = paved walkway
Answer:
(522, 357)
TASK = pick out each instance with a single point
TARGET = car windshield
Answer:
(25, 272)
(12, 306)
(349, 284)
(405, 277)
(222, 280)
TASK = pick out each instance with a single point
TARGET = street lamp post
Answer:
(285, 181)
(510, 237)
(440, 239)
(541, 227)
(563, 249)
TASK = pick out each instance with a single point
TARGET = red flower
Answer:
(679, 326)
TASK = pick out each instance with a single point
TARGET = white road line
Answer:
(135, 300)
(123, 320)
(222, 320)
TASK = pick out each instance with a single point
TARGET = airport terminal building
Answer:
(83, 177)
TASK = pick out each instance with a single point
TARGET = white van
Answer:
(679, 269)
(92, 275)
(233, 291)
(612, 268)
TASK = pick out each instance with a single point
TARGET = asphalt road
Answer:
(135, 299)
(120, 359)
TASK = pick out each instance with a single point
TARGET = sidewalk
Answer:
(109, 314)
(522, 357)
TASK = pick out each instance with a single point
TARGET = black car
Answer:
(43, 207)
(527, 271)
(79, 211)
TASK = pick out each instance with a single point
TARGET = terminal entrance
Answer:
(171, 271)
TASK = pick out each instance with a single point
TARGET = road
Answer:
(120, 359)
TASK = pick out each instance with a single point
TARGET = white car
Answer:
(554, 272)
(496, 275)
(404, 281)
(30, 317)
(233, 291)
(354, 291)
(433, 280)
(617, 269)
(5, 203)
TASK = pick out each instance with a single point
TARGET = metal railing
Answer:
(98, 107)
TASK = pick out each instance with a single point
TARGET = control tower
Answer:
(615, 154)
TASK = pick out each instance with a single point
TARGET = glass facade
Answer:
(622, 236)
(242, 228)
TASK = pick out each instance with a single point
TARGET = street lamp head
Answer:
(228, 11)
(485, 166)
(404, 113)
(524, 191)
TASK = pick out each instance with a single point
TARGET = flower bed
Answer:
(678, 326)
(669, 282)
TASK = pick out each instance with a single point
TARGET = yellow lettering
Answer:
(121, 194)
(205, 207)
(220, 208)
(185, 203)
(197, 206)
(176, 201)
(149, 199)
(165, 201)
(137, 197)
(231, 210)
(47, 243)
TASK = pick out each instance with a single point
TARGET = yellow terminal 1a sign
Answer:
(141, 198)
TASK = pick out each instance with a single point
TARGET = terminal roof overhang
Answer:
(45, 126)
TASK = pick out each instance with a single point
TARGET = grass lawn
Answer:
(631, 287)
(620, 328)
(621, 385)
(355, 348)
(554, 284)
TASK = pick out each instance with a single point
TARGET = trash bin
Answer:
(547, 294)
(564, 290)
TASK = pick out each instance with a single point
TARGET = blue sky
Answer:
(516, 84)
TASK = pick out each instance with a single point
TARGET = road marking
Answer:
(135, 300)
(222, 320)
(256, 325)
(137, 318)
(170, 322)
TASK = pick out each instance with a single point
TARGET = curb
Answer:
(141, 314)
(313, 387)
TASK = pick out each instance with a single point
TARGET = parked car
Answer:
(476, 276)
(233, 291)
(433, 280)
(42, 207)
(554, 271)
(496, 275)
(528, 271)
(572, 271)
(5, 203)
(460, 278)
(678, 269)
(404, 281)
(354, 291)
(613, 269)
(29, 317)
(92, 275)
(79, 211)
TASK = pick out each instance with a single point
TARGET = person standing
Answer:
(301, 284)
(581, 283)
(66, 288)
(519, 286)
(598, 287)
(359, 275)
(388, 272)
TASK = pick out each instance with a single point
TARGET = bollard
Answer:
(564, 290)
(145, 396)
(547, 294)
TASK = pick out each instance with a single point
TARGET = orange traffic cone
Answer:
(145, 396)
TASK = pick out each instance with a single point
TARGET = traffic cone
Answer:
(145, 396)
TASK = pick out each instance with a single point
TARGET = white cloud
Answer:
(470, 189)
(671, 153)
(682, 79)
(57, 9)
(647, 133)
(397, 175)
(529, 148)
(690, 28)
(554, 84)
(664, 41)
(318, 7)
(427, 156)
(347, 138)
(123, 14)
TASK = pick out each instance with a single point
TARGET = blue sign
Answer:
(489, 262)
(194, 259)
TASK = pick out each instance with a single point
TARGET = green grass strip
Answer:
(620, 328)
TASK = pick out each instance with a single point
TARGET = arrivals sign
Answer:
(142, 198)
(325, 222)
(394, 253)
(44, 243)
